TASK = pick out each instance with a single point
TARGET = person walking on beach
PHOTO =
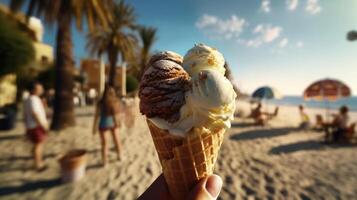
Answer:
(106, 114)
(305, 120)
(36, 122)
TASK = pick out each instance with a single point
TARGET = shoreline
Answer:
(292, 100)
(292, 111)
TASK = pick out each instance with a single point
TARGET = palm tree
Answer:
(148, 37)
(117, 40)
(62, 13)
(229, 76)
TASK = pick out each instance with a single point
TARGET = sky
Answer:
(286, 44)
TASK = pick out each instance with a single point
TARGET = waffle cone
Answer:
(186, 160)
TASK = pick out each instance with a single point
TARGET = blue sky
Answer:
(283, 43)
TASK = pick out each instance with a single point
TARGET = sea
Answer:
(351, 102)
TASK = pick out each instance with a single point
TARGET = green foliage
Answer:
(132, 84)
(47, 77)
(16, 49)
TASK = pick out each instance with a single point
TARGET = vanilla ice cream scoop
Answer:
(211, 99)
(202, 57)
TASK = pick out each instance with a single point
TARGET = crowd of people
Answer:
(337, 130)
(106, 119)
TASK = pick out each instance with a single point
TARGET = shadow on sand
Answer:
(30, 186)
(24, 158)
(243, 124)
(94, 166)
(263, 133)
(305, 146)
(12, 137)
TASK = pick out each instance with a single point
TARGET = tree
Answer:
(148, 37)
(16, 48)
(229, 76)
(132, 84)
(47, 77)
(61, 13)
(117, 40)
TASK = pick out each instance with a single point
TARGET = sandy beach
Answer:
(272, 162)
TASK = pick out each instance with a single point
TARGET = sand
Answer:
(272, 162)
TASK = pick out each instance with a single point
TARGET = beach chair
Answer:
(350, 133)
(276, 112)
(319, 124)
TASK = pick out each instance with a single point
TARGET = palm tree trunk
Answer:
(143, 63)
(113, 58)
(63, 115)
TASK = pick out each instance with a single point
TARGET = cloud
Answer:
(313, 6)
(292, 4)
(265, 6)
(266, 34)
(219, 28)
(299, 44)
(283, 43)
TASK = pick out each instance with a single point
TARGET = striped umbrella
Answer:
(327, 89)
(266, 92)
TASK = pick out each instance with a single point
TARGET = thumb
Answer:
(207, 189)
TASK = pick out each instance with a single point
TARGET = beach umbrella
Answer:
(266, 92)
(327, 90)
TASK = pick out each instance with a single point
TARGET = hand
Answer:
(207, 189)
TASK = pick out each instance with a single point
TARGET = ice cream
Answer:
(162, 89)
(212, 100)
(202, 57)
(166, 55)
(188, 110)
(209, 102)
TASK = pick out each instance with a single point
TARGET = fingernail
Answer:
(214, 185)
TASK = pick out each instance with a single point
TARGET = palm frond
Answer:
(117, 36)
(16, 5)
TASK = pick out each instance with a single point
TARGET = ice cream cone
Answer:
(186, 160)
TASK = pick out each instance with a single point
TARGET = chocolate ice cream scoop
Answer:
(162, 88)
(166, 55)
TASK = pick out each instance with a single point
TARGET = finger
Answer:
(207, 189)
(157, 190)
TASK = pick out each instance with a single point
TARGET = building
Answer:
(43, 54)
(35, 30)
(90, 70)
(7, 89)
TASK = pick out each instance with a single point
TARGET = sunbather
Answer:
(340, 124)
(305, 120)
(261, 117)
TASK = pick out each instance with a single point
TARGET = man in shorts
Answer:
(36, 122)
